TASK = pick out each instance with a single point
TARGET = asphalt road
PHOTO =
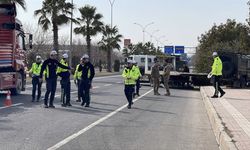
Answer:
(178, 122)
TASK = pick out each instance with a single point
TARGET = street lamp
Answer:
(151, 35)
(111, 2)
(144, 29)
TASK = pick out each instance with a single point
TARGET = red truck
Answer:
(12, 51)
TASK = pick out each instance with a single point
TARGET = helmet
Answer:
(53, 53)
(85, 56)
(215, 54)
(38, 57)
(130, 62)
(65, 56)
(134, 62)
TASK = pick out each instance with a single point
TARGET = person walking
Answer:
(137, 85)
(130, 76)
(77, 80)
(155, 75)
(35, 73)
(51, 65)
(88, 73)
(65, 81)
(217, 74)
(166, 75)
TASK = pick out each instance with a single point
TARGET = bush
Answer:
(117, 66)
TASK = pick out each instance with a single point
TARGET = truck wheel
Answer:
(19, 86)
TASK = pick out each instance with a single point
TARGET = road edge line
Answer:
(13, 105)
(224, 141)
(75, 135)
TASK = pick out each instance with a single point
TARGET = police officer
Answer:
(65, 81)
(77, 80)
(51, 65)
(137, 85)
(155, 75)
(130, 76)
(166, 75)
(88, 73)
(35, 71)
(217, 74)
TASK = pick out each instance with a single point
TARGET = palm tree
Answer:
(90, 24)
(110, 40)
(19, 2)
(54, 13)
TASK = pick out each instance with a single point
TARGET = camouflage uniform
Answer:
(155, 74)
(166, 76)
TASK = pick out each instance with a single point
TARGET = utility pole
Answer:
(71, 36)
(111, 2)
(144, 30)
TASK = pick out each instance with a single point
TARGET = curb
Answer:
(223, 139)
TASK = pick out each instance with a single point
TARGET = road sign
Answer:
(168, 49)
(179, 49)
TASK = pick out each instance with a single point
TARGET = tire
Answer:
(18, 89)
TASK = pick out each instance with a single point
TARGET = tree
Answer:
(229, 37)
(110, 40)
(54, 13)
(19, 2)
(142, 49)
(90, 24)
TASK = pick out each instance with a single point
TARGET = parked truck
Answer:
(178, 78)
(12, 50)
(236, 69)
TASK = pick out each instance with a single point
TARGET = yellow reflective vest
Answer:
(59, 69)
(36, 69)
(217, 67)
(130, 76)
(77, 74)
(138, 72)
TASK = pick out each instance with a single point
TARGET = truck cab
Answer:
(12, 51)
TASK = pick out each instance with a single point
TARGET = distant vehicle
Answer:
(12, 51)
(236, 69)
(178, 78)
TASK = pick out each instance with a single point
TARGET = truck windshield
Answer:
(7, 11)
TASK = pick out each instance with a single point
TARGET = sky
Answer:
(180, 22)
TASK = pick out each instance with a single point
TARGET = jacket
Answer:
(77, 74)
(87, 70)
(217, 67)
(36, 69)
(130, 76)
(63, 73)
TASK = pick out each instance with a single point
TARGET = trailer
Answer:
(178, 78)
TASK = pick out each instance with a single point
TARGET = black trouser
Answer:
(65, 86)
(79, 89)
(217, 85)
(138, 86)
(36, 85)
(84, 88)
(50, 90)
(129, 90)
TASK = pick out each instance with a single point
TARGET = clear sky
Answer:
(179, 21)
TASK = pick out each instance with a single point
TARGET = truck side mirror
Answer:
(30, 40)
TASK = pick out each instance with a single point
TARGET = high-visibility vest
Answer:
(130, 73)
(217, 67)
(59, 69)
(138, 72)
(36, 69)
(77, 74)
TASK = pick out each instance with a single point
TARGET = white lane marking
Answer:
(13, 105)
(96, 87)
(96, 78)
(75, 135)
(119, 82)
(107, 84)
(70, 92)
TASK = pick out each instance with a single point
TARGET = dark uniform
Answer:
(88, 73)
(77, 80)
(36, 84)
(51, 79)
(65, 83)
